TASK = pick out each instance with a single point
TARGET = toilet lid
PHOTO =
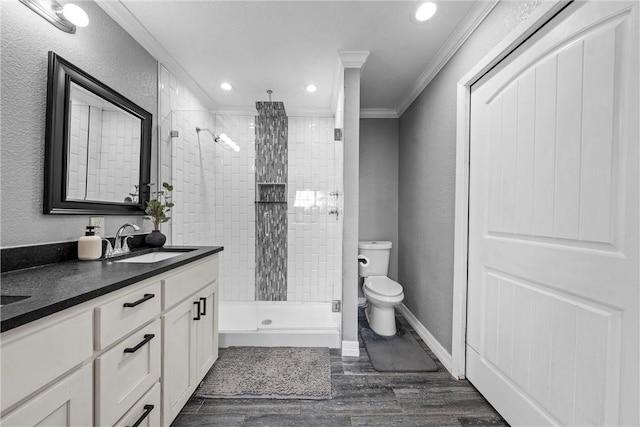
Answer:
(382, 285)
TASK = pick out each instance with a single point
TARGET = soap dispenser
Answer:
(89, 245)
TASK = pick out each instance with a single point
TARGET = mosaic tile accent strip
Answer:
(271, 166)
(271, 252)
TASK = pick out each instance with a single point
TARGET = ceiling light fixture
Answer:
(425, 11)
(64, 18)
(311, 88)
(226, 86)
(75, 15)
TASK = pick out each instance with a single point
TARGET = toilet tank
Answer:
(378, 254)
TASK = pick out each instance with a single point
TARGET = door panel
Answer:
(552, 334)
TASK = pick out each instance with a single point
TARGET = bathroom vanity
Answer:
(108, 342)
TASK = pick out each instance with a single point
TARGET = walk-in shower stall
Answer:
(274, 201)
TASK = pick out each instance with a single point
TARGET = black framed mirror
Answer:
(97, 146)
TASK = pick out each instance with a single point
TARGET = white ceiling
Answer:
(285, 45)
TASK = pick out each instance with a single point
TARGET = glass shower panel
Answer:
(315, 211)
(192, 174)
(235, 209)
(214, 193)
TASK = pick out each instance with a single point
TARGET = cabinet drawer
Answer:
(118, 317)
(186, 282)
(35, 355)
(146, 411)
(125, 372)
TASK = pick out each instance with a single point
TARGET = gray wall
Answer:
(427, 178)
(104, 50)
(379, 184)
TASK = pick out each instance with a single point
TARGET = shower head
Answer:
(223, 139)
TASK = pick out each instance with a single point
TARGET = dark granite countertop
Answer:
(54, 287)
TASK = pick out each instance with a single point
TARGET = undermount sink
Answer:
(152, 257)
(8, 299)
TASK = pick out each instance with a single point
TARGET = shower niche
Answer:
(271, 192)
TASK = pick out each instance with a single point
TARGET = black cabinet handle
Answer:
(146, 339)
(204, 306)
(146, 297)
(197, 311)
(147, 411)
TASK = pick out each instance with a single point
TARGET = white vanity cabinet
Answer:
(130, 357)
(190, 343)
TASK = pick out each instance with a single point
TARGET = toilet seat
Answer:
(382, 286)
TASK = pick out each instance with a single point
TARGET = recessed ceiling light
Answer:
(75, 15)
(226, 86)
(425, 11)
(311, 88)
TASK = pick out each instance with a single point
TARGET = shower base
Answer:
(278, 324)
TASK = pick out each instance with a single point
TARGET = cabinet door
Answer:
(206, 331)
(65, 403)
(178, 370)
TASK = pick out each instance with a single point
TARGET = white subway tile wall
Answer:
(103, 167)
(78, 139)
(215, 195)
(235, 207)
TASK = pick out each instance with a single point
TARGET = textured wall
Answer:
(104, 50)
(379, 184)
(427, 178)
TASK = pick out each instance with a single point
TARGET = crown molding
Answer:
(378, 113)
(123, 17)
(251, 111)
(353, 58)
(462, 32)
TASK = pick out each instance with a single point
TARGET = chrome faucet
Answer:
(121, 246)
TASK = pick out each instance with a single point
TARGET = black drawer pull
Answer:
(197, 310)
(204, 306)
(147, 411)
(147, 338)
(146, 297)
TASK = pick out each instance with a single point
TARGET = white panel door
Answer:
(552, 334)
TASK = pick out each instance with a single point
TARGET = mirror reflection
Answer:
(103, 155)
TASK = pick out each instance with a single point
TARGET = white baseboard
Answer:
(350, 349)
(443, 356)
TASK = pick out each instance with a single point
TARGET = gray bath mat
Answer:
(398, 353)
(269, 372)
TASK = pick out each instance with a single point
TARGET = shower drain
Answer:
(266, 322)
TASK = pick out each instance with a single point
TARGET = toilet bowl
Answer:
(382, 293)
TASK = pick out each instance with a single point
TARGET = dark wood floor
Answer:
(361, 396)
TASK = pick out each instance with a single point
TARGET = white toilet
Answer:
(382, 293)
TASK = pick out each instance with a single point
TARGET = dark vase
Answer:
(155, 239)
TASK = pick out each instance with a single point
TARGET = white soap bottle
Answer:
(89, 245)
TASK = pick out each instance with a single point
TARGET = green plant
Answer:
(158, 207)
